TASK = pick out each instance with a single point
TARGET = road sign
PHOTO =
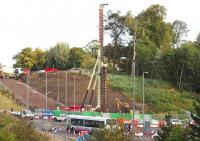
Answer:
(54, 130)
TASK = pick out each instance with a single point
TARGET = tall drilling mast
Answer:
(102, 93)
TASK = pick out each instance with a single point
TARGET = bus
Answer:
(77, 123)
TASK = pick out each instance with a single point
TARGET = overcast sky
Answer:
(42, 23)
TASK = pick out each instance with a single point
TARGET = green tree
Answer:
(164, 132)
(25, 131)
(152, 25)
(178, 133)
(88, 61)
(195, 132)
(39, 59)
(173, 133)
(92, 48)
(111, 134)
(75, 57)
(58, 56)
(117, 29)
(25, 59)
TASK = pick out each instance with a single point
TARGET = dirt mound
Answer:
(76, 84)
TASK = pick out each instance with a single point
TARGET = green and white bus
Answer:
(77, 123)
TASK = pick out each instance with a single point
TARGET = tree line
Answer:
(59, 56)
(160, 49)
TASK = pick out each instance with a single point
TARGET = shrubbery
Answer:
(12, 129)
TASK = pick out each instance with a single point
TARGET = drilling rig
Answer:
(100, 66)
(102, 83)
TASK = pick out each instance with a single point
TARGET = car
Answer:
(26, 113)
(75, 70)
(139, 134)
(60, 118)
(176, 121)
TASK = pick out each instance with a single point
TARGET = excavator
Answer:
(122, 107)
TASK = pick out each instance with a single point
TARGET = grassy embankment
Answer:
(160, 97)
(7, 101)
(14, 129)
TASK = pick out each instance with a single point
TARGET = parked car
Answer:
(176, 121)
(27, 113)
(139, 134)
(60, 118)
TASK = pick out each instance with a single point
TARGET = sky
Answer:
(43, 23)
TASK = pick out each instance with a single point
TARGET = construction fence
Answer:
(125, 116)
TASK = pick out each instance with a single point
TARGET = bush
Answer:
(111, 134)
(12, 129)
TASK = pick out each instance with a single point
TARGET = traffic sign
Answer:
(54, 130)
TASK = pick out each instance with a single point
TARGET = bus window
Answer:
(99, 124)
(95, 124)
(88, 123)
(111, 121)
(77, 122)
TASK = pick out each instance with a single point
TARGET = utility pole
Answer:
(27, 96)
(58, 90)
(133, 75)
(74, 92)
(66, 105)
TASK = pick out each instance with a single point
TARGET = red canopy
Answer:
(50, 70)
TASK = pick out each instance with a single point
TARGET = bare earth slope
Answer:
(77, 87)
(20, 92)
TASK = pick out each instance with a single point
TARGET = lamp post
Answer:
(143, 100)
(133, 75)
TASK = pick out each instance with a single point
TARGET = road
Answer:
(36, 99)
(59, 135)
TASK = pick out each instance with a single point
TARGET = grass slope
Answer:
(7, 102)
(160, 97)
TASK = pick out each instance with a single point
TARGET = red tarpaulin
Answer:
(71, 108)
(50, 70)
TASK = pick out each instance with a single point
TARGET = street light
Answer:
(133, 75)
(143, 99)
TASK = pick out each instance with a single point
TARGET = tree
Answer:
(39, 59)
(25, 59)
(195, 132)
(198, 38)
(75, 57)
(180, 28)
(88, 61)
(117, 30)
(178, 133)
(164, 132)
(111, 134)
(152, 25)
(58, 56)
(172, 133)
(153, 37)
(92, 48)
(14, 129)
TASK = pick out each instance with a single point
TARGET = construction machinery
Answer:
(122, 107)
(101, 77)
(6, 72)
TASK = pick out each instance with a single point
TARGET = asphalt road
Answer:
(59, 134)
